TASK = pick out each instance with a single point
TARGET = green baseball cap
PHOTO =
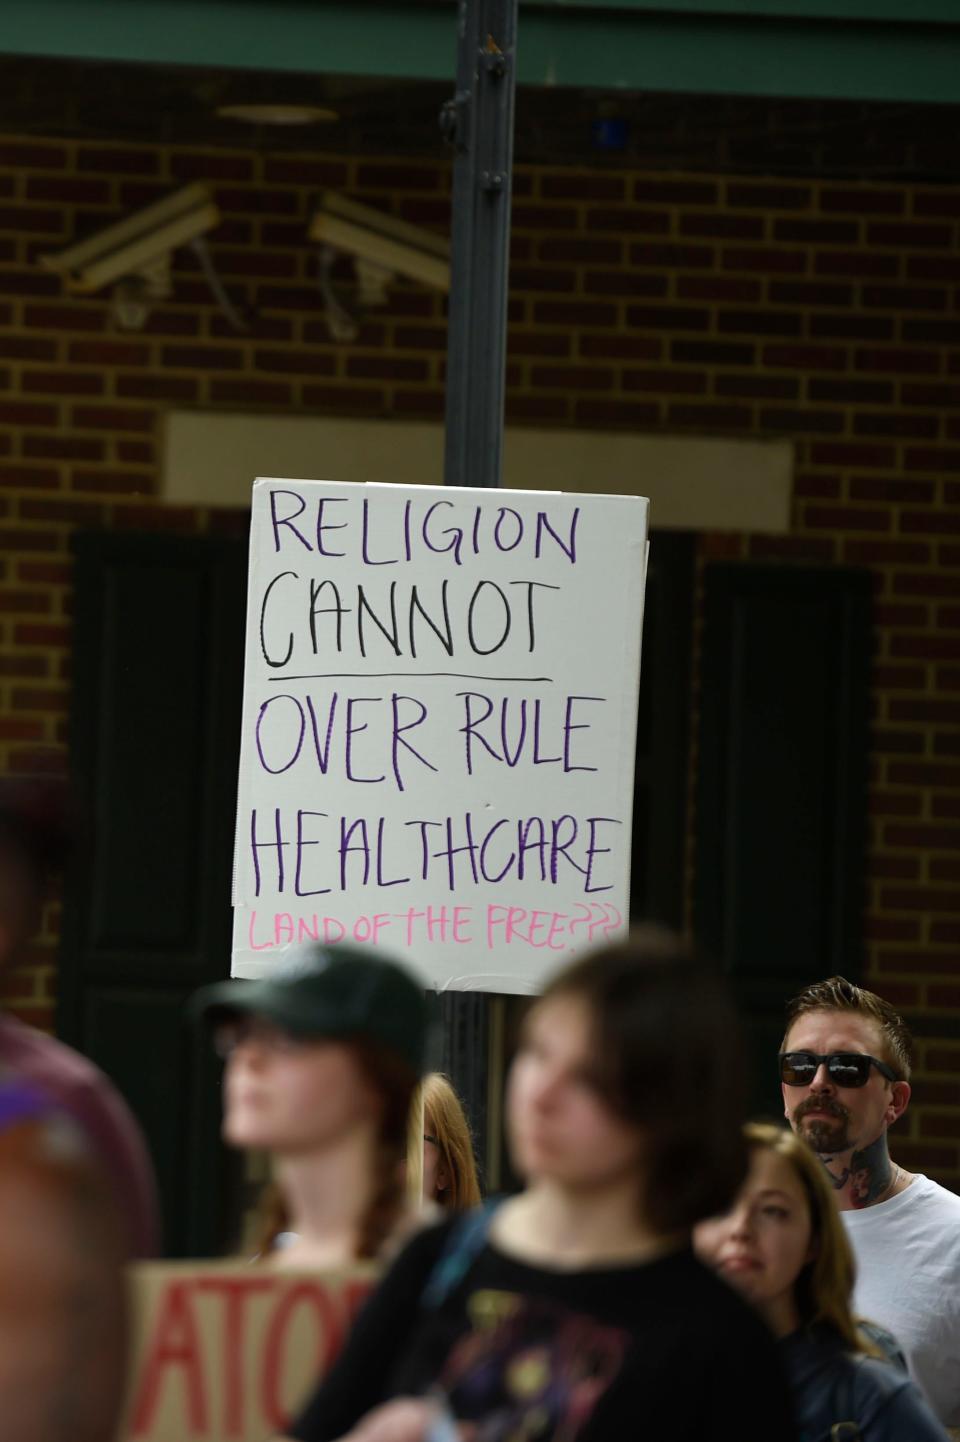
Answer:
(325, 991)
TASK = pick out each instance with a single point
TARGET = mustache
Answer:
(829, 1105)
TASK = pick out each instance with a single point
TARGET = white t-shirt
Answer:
(908, 1280)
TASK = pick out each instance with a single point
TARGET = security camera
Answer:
(139, 246)
(378, 241)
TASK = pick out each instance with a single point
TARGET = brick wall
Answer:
(825, 312)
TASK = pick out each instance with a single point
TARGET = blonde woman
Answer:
(441, 1148)
(783, 1247)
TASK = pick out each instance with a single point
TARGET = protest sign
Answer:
(438, 731)
(227, 1352)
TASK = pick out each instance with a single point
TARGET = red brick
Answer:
(23, 347)
(668, 256)
(909, 427)
(762, 387)
(547, 218)
(886, 928)
(809, 293)
(942, 201)
(38, 760)
(731, 417)
(724, 226)
(27, 413)
(817, 232)
(519, 343)
(898, 361)
(117, 161)
(764, 195)
(39, 699)
(540, 278)
(50, 573)
(111, 482)
(66, 317)
(630, 220)
(894, 803)
(28, 282)
(40, 220)
(574, 313)
(857, 392)
(805, 357)
(155, 387)
(877, 488)
(930, 522)
(943, 1058)
(905, 297)
(530, 409)
(942, 869)
(885, 553)
(580, 250)
(615, 413)
(850, 327)
(199, 357)
(37, 602)
(250, 392)
(938, 332)
(816, 486)
(846, 518)
(858, 200)
(907, 236)
(933, 458)
(624, 283)
(304, 170)
(712, 352)
(295, 362)
(584, 185)
(113, 418)
(20, 729)
(802, 421)
(27, 476)
(572, 377)
(720, 287)
(759, 261)
(135, 452)
(186, 165)
(82, 513)
(353, 400)
(664, 317)
(618, 346)
(29, 156)
(926, 710)
(857, 263)
(62, 383)
(20, 538)
(176, 519)
(386, 367)
(675, 192)
(108, 353)
(59, 447)
(676, 382)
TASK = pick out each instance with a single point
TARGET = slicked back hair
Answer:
(838, 994)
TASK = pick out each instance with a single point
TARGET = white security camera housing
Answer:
(380, 240)
(140, 245)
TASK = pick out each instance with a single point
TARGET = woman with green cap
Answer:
(322, 1058)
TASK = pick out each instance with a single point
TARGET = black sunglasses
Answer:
(844, 1068)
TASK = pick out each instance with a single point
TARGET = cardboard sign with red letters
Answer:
(227, 1351)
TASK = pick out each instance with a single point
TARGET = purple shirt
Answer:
(82, 1091)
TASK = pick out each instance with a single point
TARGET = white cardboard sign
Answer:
(439, 719)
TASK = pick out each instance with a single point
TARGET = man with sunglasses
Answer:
(845, 1073)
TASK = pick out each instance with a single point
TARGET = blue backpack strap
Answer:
(467, 1239)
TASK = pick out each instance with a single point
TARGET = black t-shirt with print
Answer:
(656, 1351)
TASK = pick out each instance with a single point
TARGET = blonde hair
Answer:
(824, 1285)
(437, 1112)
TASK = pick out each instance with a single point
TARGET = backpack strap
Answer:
(465, 1242)
(843, 1404)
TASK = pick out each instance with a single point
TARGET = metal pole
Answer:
(479, 121)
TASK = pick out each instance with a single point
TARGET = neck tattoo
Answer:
(869, 1178)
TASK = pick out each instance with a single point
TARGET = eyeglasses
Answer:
(844, 1068)
(234, 1031)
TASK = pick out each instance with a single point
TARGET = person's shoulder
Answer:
(44, 1060)
(931, 1194)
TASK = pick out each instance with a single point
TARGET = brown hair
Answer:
(823, 1288)
(838, 994)
(667, 1060)
(394, 1081)
(444, 1119)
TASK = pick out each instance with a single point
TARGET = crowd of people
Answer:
(666, 1269)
